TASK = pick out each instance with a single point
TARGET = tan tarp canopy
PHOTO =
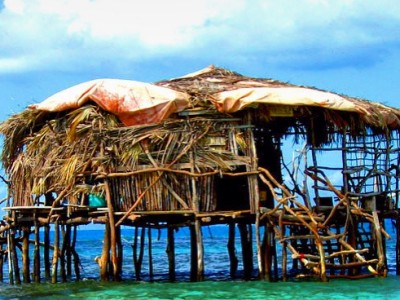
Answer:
(132, 102)
(137, 103)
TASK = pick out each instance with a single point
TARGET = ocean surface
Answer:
(217, 284)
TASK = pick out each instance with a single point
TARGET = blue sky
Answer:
(346, 46)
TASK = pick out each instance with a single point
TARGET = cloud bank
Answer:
(69, 34)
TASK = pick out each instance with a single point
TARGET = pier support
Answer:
(232, 251)
(247, 249)
(171, 254)
(25, 255)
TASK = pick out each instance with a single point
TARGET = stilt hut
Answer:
(203, 149)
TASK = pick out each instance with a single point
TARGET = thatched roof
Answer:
(137, 103)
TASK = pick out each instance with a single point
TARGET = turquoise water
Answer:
(374, 288)
(216, 286)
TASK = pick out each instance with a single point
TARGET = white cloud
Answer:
(63, 34)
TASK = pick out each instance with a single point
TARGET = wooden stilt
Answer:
(104, 260)
(150, 254)
(267, 252)
(113, 240)
(398, 245)
(14, 256)
(232, 251)
(55, 252)
(2, 235)
(36, 254)
(68, 253)
(200, 251)
(10, 261)
(75, 255)
(46, 251)
(25, 255)
(171, 254)
(193, 254)
(284, 261)
(247, 253)
(138, 257)
(120, 251)
(63, 274)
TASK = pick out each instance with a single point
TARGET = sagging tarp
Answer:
(139, 103)
(133, 102)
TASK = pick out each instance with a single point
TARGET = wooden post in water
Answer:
(46, 251)
(10, 261)
(397, 245)
(104, 260)
(138, 257)
(150, 254)
(2, 235)
(62, 254)
(75, 255)
(113, 240)
(14, 256)
(55, 252)
(247, 249)
(284, 261)
(232, 250)
(193, 254)
(36, 252)
(196, 234)
(68, 250)
(25, 255)
(267, 252)
(171, 254)
(120, 250)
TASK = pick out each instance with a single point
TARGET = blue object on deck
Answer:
(96, 200)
